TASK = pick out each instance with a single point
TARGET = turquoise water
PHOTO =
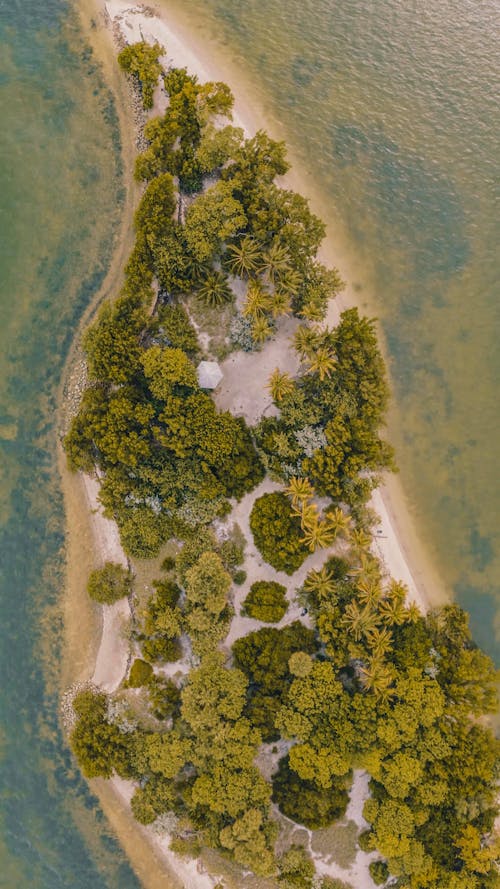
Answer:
(60, 187)
(392, 110)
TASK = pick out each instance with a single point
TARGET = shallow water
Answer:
(392, 108)
(60, 188)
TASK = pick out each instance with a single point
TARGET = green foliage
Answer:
(168, 371)
(165, 697)
(264, 657)
(162, 624)
(108, 584)
(140, 674)
(100, 747)
(207, 586)
(214, 217)
(143, 532)
(379, 872)
(175, 325)
(266, 601)
(154, 213)
(306, 803)
(141, 59)
(112, 343)
(296, 869)
(239, 577)
(277, 532)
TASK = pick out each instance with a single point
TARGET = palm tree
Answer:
(290, 280)
(261, 329)
(299, 489)
(339, 521)
(318, 534)
(369, 592)
(377, 677)
(358, 620)
(307, 512)
(242, 259)
(214, 290)
(393, 612)
(368, 568)
(280, 384)
(379, 640)
(275, 262)
(321, 582)
(397, 590)
(312, 310)
(322, 362)
(306, 340)
(360, 540)
(280, 303)
(256, 302)
(412, 613)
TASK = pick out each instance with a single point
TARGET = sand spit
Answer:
(136, 22)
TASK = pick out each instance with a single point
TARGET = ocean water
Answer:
(392, 111)
(60, 191)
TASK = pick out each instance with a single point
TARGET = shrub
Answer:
(364, 841)
(277, 532)
(108, 584)
(266, 601)
(168, 563)
(379, 872)
(304, 802)
(140, 674)
(239, 577)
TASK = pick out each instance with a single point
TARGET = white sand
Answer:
(243, 392)
(112, 657)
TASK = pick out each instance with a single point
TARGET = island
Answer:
(276, 688)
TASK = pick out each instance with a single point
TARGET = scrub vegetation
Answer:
(362, 680)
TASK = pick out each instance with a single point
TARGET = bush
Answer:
(364, 841)
(266, 601)
(379, 872)
(239, 577)
(277, 532)
(141, 672)
(304, 802)
(108, 584)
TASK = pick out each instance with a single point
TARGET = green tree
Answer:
(214, 290)
(213, 218)
(141, 59)
(108, 584)
(266, 601)
(242, 258)
(277, 532)
(305, 802)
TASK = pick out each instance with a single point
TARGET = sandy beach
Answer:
(396, 551)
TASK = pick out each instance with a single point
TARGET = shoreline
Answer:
(397, 545)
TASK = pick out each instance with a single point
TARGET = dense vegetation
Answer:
(365, 681)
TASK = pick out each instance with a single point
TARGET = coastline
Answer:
(396, 545)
